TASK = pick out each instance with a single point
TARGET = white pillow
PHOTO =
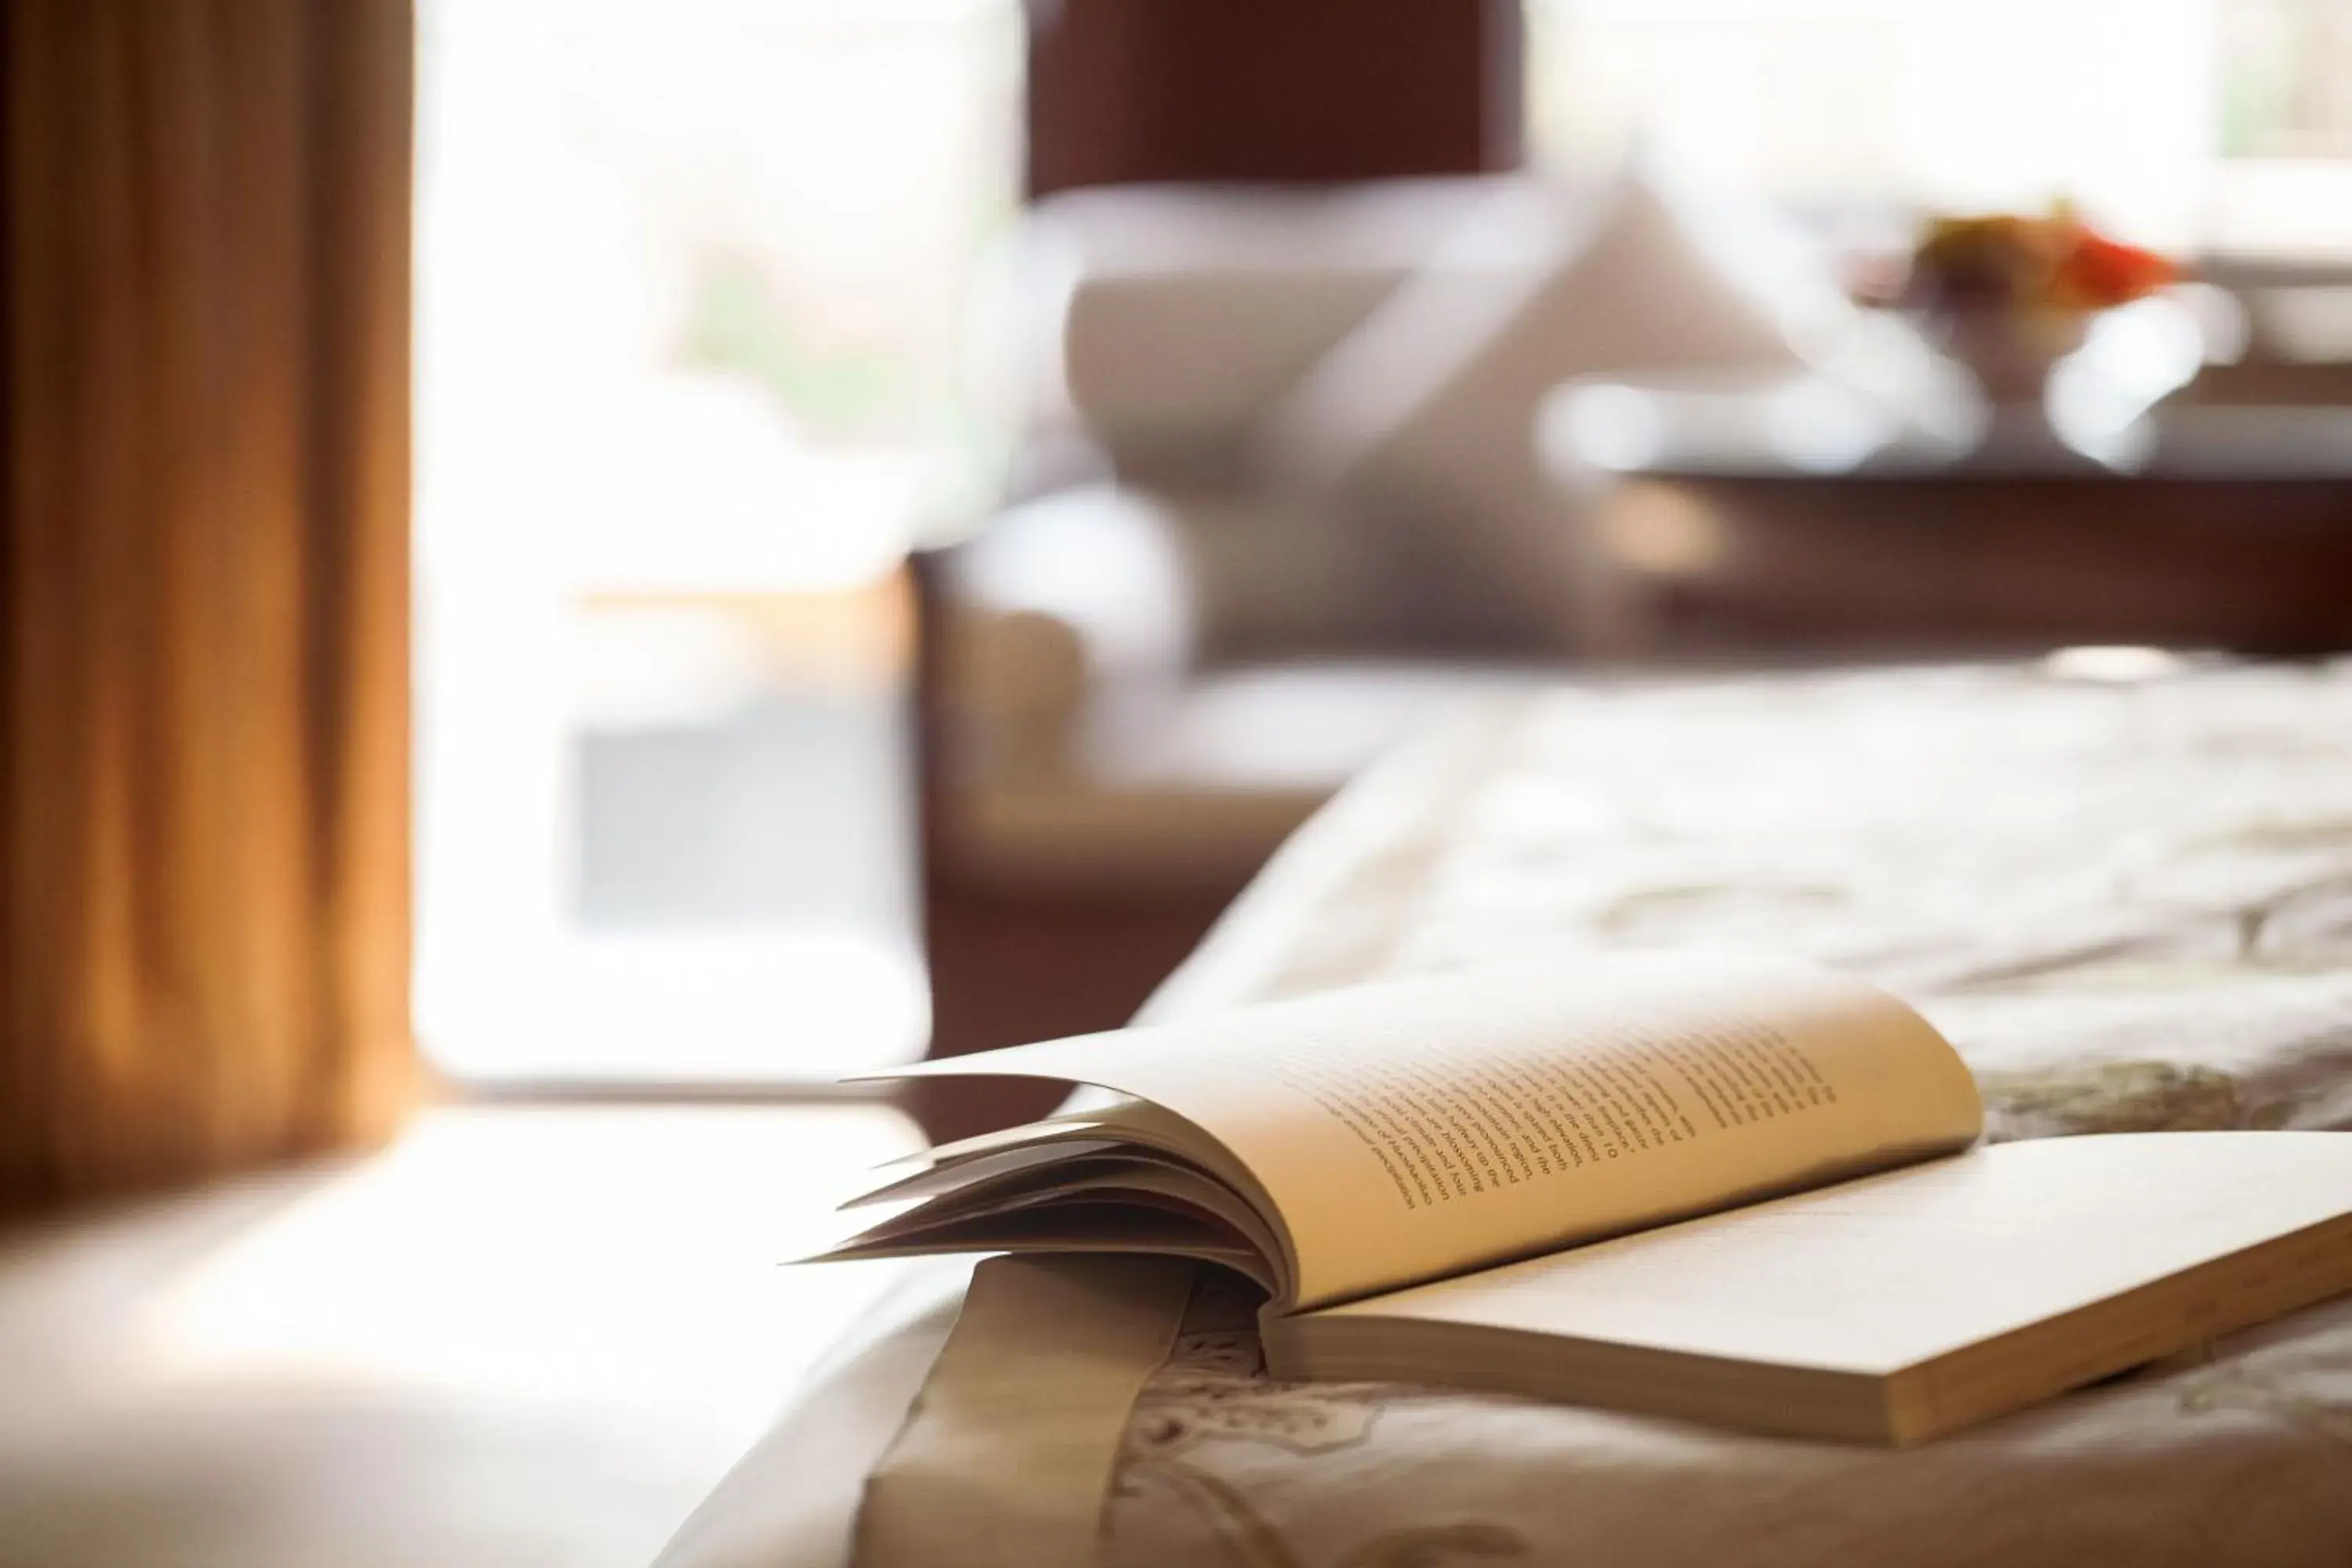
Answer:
(1167, 318)
(1423, 420)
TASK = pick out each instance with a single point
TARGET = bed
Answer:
(2121, 884)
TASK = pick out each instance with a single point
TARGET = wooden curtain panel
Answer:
(203, 609)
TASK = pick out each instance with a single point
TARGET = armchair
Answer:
(1276, 507)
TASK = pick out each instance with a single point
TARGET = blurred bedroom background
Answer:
(821, 531)
(724, 306)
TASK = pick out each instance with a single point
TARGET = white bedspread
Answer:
(2129, 906)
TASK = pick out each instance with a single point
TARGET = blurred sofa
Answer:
(1273, 505)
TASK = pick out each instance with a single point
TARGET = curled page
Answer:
(1414, 1129)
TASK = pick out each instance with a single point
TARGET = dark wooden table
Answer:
(1788, 515)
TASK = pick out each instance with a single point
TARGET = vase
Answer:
(2010, 351)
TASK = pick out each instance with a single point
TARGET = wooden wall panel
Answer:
(1124, 90)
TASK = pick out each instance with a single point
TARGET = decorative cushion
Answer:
(1421, 421)
(1164, 320)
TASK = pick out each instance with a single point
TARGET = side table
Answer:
(1785, 516)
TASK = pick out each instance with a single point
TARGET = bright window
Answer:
(691, 280)
(2186, 123)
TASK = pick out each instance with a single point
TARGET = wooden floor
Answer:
(521, 1337)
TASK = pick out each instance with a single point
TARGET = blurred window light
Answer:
(2100, 396)
(692, 285)
(2183, 122)
(2111, 664)
(2310, 325)
(1820, 428)
(1660, 532)
(2223, 321)
(1614, 427)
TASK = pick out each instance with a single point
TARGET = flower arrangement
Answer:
(2009, 294)
(2054, 263)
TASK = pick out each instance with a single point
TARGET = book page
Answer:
(1414, 1129)
(1891, 1270)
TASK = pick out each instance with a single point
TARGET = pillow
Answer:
(1165, 319)
(1421, 421)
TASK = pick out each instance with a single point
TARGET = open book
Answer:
(1729, 1188)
